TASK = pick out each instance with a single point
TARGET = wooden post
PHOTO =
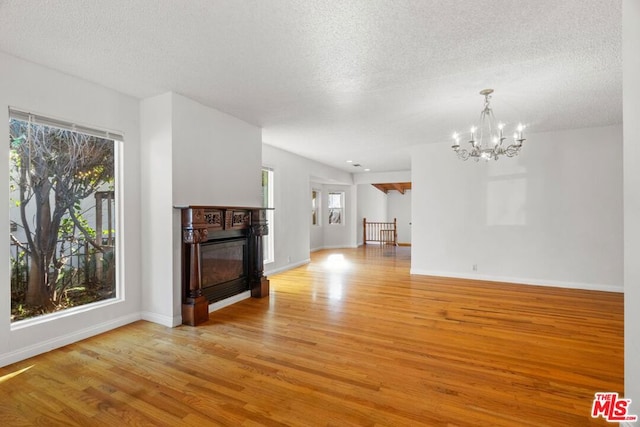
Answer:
(109, 218)
(364, 231)
(98, 241)
(259, 228)
(395, 232)
(195, 307)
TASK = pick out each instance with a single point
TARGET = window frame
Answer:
(118, 223)
(268, 241)
(340, 209)
(316, 207)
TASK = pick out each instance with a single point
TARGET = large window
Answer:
(63, 211)
(336, 207)
(267, 202)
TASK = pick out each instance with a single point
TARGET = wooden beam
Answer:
(398, 187)
(381, 187)
(401, 187)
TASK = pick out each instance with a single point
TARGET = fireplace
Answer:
(221, 257)
(224, 265)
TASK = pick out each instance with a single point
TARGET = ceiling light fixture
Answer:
(487, 139)
(357, 165)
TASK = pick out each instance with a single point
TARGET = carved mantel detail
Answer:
(213, 218)
(193, 236)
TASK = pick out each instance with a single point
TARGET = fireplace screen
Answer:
(224, 268)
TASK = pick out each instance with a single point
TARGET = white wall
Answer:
(31, 87)
(399, 207)
(158, 303)
(293, 178)
(381, 177)
(631, 106)
(552, 215)
(372, 205)
(216, 157)
(193, 155)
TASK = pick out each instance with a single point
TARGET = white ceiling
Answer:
(339, 80)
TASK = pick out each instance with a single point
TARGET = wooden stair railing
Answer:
(385, 233)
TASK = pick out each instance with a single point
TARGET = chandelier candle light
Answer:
(487, 140)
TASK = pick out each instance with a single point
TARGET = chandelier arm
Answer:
(512, 150)
(463, 154)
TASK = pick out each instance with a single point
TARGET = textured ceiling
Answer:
(341, 80)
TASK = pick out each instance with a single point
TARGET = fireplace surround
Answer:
(221, 257)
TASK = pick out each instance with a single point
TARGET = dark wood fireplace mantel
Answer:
(211, 228)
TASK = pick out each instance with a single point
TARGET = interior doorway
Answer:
(386, 203)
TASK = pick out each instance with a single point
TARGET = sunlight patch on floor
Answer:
(337, 263)
(14, 374)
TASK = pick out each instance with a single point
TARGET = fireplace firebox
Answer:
(221, 257)
(224, 266)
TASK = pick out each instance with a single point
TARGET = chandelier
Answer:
(487, 140)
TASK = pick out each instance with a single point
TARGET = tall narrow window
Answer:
(63, 215)
(315, 207)
(267, 202)
(336, 207)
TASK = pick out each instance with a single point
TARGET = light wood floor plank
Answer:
(342, 341)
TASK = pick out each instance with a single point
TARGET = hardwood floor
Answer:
(350, 339)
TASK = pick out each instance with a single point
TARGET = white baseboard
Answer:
(70, 338)
(228, 301)
(161, 319)
(322, 248)
(287, 267)
(341, 247)
(522, 281)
